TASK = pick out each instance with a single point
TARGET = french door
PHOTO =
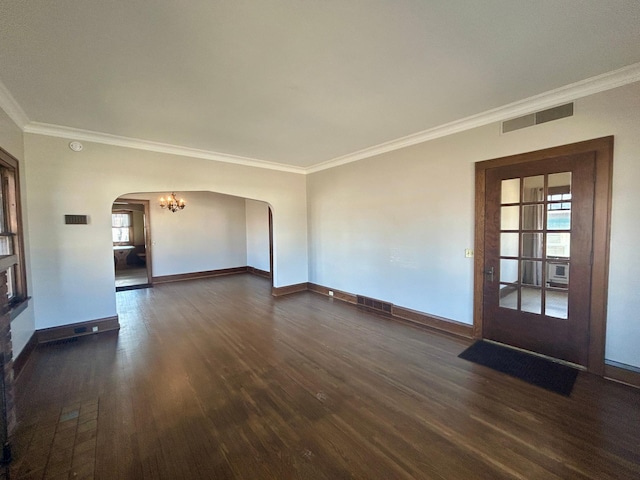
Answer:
(538, 244)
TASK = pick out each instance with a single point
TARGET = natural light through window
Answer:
(121, 228)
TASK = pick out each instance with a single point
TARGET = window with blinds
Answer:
(121, 228)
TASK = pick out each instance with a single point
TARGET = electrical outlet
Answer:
(468, 253)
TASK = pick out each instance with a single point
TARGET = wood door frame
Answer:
(270, 244)
(603, 148)
(147, 232)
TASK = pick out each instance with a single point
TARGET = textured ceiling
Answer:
(297, 82)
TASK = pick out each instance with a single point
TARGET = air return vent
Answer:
(374, 304)
(537, 118)
(63, 341)
(76, 220)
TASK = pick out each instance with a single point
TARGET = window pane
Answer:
(560, 185)
(557, 304)
(531, 273)
(510, 191)
(11, 283)
(533, 189)
(532, 245)
(533, 217)
(558, 244)
(121, 223)
(509, 244)
(558, 219)
(6, 245)
(509, 296)
(510, 218)
(558, 275)
(120, 220)
(508, 271)
(120, 235)
(531, 300)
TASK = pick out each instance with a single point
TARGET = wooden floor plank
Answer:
(217, 379)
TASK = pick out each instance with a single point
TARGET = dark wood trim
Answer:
(603, 149)
(15, 196)
(193, 275)
(622, 375)
(401, 313)
(10, 160)
(439, 323)
(270, 244)
(257, 271)
(478, 266)
(79, 329)
(340, 295)
(289, 289)
(601, 245)
(23, 357)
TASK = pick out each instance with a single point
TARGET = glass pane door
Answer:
(535, 240)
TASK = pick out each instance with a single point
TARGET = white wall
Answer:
(72, 265)
(258, 235)
(11, 140)
(209, 234)
(395, 226)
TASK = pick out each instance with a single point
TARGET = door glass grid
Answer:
(535, 238)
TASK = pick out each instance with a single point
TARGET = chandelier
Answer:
(171, 203)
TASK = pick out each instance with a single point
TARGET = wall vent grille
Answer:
(63, 341)
(374, 304)
(76, 220)
(543, 116)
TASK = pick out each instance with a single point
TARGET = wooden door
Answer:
(538, 242)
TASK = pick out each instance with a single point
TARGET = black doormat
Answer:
(530, 368)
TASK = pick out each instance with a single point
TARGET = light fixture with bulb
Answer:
(172, 203)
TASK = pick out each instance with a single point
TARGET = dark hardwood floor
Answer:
(216, 379)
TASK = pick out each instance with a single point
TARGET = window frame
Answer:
(12, 226)
(130, 227)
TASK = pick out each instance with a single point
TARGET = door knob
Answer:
(489, 273)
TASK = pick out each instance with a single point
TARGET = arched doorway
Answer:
(214, 234)
(131, 243)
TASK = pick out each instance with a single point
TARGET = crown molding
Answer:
(120, 141)
(583, 88)
(12, 108)
(573, 91)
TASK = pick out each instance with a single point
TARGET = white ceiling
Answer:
(297, 82)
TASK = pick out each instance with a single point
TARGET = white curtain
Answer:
(533, 219)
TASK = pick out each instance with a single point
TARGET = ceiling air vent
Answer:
(537, 118)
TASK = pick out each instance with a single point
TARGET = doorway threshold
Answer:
(536, 354)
